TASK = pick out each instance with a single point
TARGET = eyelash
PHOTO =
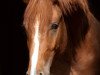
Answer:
(54, 26)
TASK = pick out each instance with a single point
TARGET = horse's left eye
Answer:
(54, 26)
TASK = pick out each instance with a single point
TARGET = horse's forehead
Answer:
(45, 17)
(43, 10)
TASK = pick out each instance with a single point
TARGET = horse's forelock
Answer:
(67, 6)
(40, 8)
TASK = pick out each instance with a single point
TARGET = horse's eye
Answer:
(54, 26)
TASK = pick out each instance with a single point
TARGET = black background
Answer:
(14, 53)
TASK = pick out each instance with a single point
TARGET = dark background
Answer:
(14, 55)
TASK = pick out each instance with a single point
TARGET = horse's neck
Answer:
(88, 51)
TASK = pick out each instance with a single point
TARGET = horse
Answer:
(63, 38)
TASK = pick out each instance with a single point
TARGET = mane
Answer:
(78, 20)
(70, 5)
(34, 8)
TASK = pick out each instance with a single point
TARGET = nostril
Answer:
(41, 73)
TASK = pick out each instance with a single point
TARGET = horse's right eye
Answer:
(54, 26)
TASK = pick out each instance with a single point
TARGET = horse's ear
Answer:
(26, 1)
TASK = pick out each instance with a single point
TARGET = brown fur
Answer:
(82, 50)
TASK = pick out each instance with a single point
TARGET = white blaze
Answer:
(34, 58)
